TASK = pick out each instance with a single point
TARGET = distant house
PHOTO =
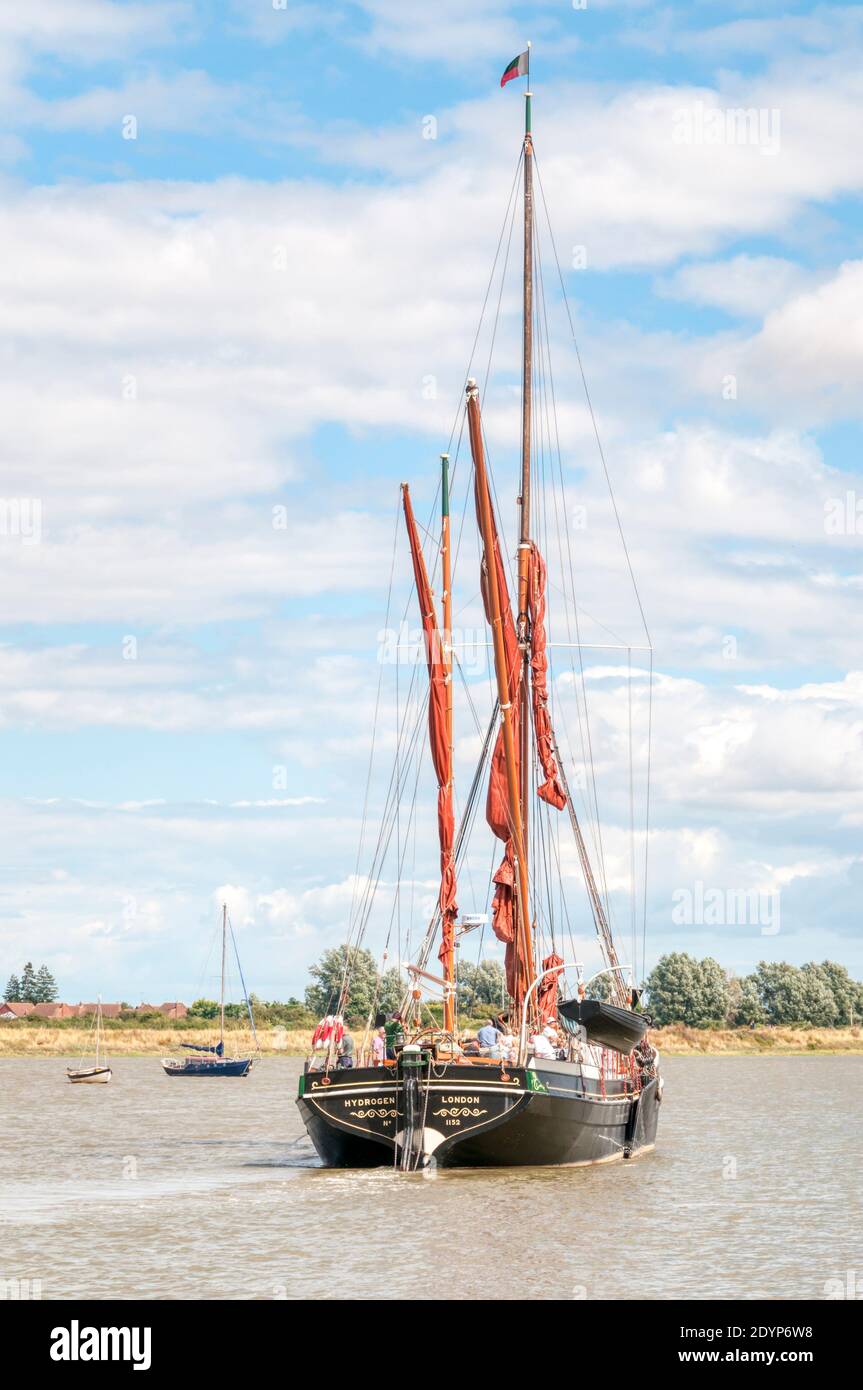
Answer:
(54, 1011)
(22, 1010)
(174, 1010)
(15, 1009)
(12, 1010)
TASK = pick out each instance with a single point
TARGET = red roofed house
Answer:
(174, 1010)
(15, 1009)
(54, 1011)
(108, 1010)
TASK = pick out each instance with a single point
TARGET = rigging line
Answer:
(464, 830)
(591, 410)
(372, 896)
(647, 821)
(374, 730)
(384, 836)
(500, 293)
(620, 641)
(399, 737)
(401, 855)
(632, 884)
(584, 727)
(508, 218)
(398, 896)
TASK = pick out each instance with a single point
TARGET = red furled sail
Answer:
(439, 741)
(497, 804)
(546, 990)
(551, 789)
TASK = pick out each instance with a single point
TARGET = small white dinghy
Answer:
(100, 1072)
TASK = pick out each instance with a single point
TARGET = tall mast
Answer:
(524, 540)
(500, 666)
(446, 652)
(222, 986)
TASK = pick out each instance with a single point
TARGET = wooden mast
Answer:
(525, 955)
(524, 540)
(449, 1010)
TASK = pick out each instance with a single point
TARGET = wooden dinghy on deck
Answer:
(605, 1024)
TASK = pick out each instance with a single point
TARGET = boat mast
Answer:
(98, 1026)
(449, 1010)
(222, 985)
(524, 540)
(512, 779)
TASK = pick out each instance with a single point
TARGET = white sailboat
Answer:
(100, 1072)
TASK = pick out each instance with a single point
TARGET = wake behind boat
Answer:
(560, 1080)
(211, 1060)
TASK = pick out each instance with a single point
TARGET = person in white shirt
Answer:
(542, 1047)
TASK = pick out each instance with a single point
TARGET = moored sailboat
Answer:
(100, 1072)
(210, 1060)
(567, 1081)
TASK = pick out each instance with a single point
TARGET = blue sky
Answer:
(241, 309)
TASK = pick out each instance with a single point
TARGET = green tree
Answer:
(820, 1009)
(365, 992)
(45, 987)
(482, 985)
(28, 984)
(204, 1008)
(685, 990)
(12, 993)
(844, 990)
(600, 989)
(746, 1008)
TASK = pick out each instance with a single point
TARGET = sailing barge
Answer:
(596, 1098)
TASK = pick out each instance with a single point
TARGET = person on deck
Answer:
(346, 1051)
(470, 1046)
(488, 1036)
(395, 1035)
(379, 1046)
(542, 1048)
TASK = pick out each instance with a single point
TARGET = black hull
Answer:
(234, 1066)
(476, 1117)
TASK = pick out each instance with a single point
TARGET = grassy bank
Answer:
(682, 1042)
(21, 1040)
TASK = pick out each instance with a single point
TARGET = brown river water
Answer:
(182, 1189)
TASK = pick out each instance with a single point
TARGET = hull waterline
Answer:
(233, 1066)
(90, 1076)
(473, 1116)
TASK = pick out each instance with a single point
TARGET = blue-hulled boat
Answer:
(211, 1061)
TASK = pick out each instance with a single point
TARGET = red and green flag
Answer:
(519, 67)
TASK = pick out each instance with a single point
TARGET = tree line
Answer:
(34, 986)
(480, 987)
(699, 993)
(679, 989)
